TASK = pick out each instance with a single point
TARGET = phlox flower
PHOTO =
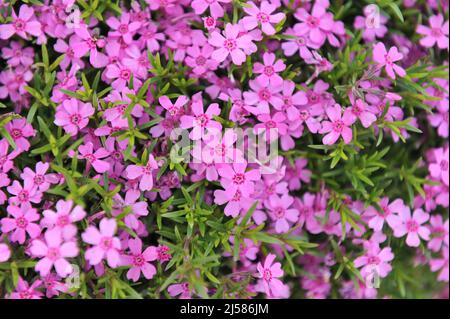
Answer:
(21, 25)
(339, 125)
(39, 178)
(375, 260)
(200, 6)
(299, 43)
(359, 110)
(439, 168)
(273, 126)
(53, 285)
(442, 265)
(413, 227)
(261, 96)
(24, 194)
(262, 16)
(105, 244)
(94, 158)
(88, 43)
(316, 24)
(18, 55)
(144, 173)
(390, 213)
(6, 158)
(231, 43)
(236, 203)
(209, 23)
(123, 28)
(297, 174)
(139, 260)
(292, 102)
(372, 24)
(437, 33)
(21, 222)
(201, 121)
(269, 70)
(25, 291)
(236, 177)
(183, 290)
(73, 115)
(173, 109)
(269, 272)
(281, 212)
(306, 209)
(67, 48)
(386, 59)
(130, 203)
(199, 59)
(20, 130)
(120, 74)
(5, 253)
(54, 252)
(63, 218)
(439, 231)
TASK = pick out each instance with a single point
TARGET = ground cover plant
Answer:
(224, 149)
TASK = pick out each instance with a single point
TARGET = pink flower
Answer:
(236, 203)
(173, 109)
(272, 125)
(64, 218)
(20, 130)
(201, 120)
(130, 204)
(121, 75)
(105, 245)
(6, 159)
(375, 260)
(94, 158)
(359, 110)
(292, 102)
(200, 59)
(18, 55)
(144, 173)
(183, 290)
(390, 214)
(439, 168)
(412, 226)
(216, 9)
(235, 177)
(54, 253)
(88, 43)
(269, 70)
(139, 260)
(24, 195)
(372, 24)
(38, 179)
(25, 291)
(386, 59)
(21, 223)
(439, 233)
(262, 95)
(5, 253)
(269, 273)
(437, 33)
(123, 27)
(297, 173)
(337, 126)
(73, 115)
(281, 212)
(22, 24)
(230, 44)
(262, 16)
(315, 25)
(441, 264)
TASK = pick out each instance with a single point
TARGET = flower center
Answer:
(75, 119)
(412, 226)
(262, 17)
(436, 32)
(202, 120)
(63, 221)
(265, 95)
(138, 260)
(237, 196)
(267, 275)
(373, 260)
(312, 22)
(21, 222)
(90, 157)
(19, 25)
(106, 243)
(338, 126)
(304, 115)
(200, 60)
(279, 212)
(123, 28)
(270, 124)
(53, 254)
(239, 179)
(16, 133)
(23, 196)
(39, 179)
(125, 74)
(444, 165)
(269, 70)
(230, 44)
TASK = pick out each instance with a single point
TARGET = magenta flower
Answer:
(136, 208)
(144, 173)
(273, 126)
(236, 203)
(183, 290)
(442, 265)
(105, 244)
(21, 222)
(200, 6)
(232, 43)
(270, 273)
(88, 43)
(94, 158)
(282, 213)
(120, 75)
(124, 28)
(139, 260)
(386, 59)
(262, 16)
(359, 110)
(24, 194)
(375, 260)
(292, 102)
(6, 159)
(339, 125)
(201, 121)
(173, 109)
(390, 214)
(199, 59)
(412, 226)
(372, 24)
(20, 130)
(269, 70)
(439, 233)
(73, 115)
(437, 33)
(38, 179)
(21, 25)
(64, 218)
(317, 24)
(235, 177)
(25, 291)
(18, 55)
(5, 253)
(54, 252)
(439, 168)
(262, 95)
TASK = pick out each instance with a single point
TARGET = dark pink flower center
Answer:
(123, 28)
(267, 275)
(16, 133)
(312, 22)
(270, 124)
(436, 32)
(412, 226)
(338, 126)
(202, 120)
(265, 95)
(90, 157)
(279, 212)
(53, 254)
(19, 25)
(23, 196)
(138, 260)
(75, 119)
(22, 222)
(237, 196)
(239, 179)
(106, 243)
(200, 60)
(39, 179)
(304, 115)
(230, 44)
(373, 260)
(269, 70)
(63, 221)
(125, 74)
(262, 17)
